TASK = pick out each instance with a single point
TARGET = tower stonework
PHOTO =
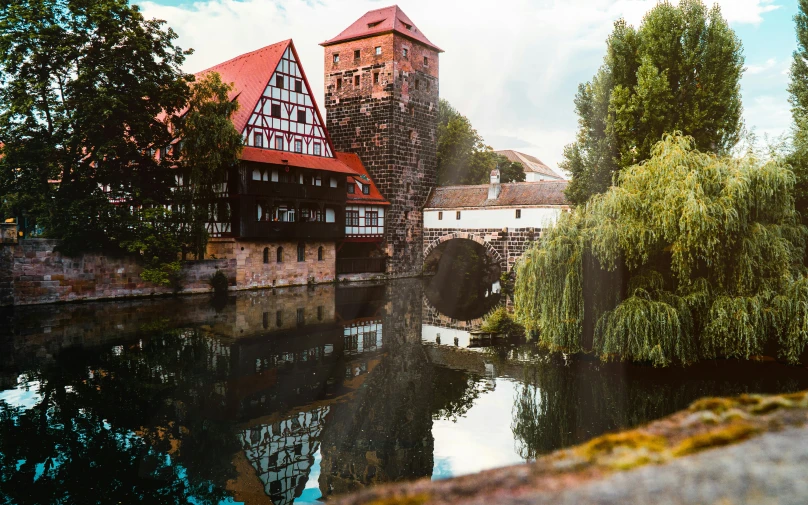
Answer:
(381, 99)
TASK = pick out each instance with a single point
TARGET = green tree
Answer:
(84, 86)
(798, 91)
(712, 251)
(463, 156)
(680, 71)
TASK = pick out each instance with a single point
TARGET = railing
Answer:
(361, 265)
(8, 233)
(296, 230)
(292, 190)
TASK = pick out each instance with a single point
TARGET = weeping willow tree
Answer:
(711, 250)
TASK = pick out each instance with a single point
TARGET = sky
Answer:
(511, 66)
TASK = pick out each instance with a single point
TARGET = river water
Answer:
(293, 395)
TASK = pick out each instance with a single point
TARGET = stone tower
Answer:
(381, 99)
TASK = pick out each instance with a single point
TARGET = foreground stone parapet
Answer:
(750, 449)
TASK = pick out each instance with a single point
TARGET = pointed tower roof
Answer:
(379, 21)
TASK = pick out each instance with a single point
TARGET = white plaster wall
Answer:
(474, 219)
(535, 177)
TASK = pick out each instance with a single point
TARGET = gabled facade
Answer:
(282, 213)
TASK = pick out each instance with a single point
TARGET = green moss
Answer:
(727, 435)
(715, 405)
(623, 451)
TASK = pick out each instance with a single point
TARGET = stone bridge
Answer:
(504, 245)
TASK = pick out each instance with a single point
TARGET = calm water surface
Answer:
(294, 395)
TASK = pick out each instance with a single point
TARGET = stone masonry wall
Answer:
(253, 272)
(505, 247)
(6, 274)
(390, 121)
(42, 275)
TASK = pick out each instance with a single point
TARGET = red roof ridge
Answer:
(393, 20)
(244, 55)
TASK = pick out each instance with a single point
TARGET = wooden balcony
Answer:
(275, 230)
(296, 191)
(361, 265)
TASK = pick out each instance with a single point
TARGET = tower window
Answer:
(417, 84)
(426, 61)
(266, 254)
(320, 255)
(278, 318)
(317, 149)
(301, 316)
(405, 52)
(276, 110)
(427, 85)
(339, 82)
(279, 81)
(298, 146)
(356, 80)
(356, 54)
(518, 213)
(258, 139)
(378, 50)
(279, 143)
(457, 216)
(279, 256)
(440, 216)
(299, 86)
(336, 58)
(301, 116)
(375, 78)
(301, 252)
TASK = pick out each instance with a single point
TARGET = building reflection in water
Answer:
(285, 395)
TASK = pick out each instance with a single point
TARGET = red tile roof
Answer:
(512, 194)
(379, 21)
(296, 160)
(530, 163)
(249, 73)
(375, 196)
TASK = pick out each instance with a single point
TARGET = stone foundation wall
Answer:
(253, 272)
(506, 247)
(41, 275)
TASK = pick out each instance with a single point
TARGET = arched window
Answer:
(301, 252)
(320, 254)
(266, 254)
(280, 255)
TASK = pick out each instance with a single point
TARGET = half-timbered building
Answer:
(284, 210)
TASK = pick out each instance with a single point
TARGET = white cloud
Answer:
(513, 69)
(759, 69)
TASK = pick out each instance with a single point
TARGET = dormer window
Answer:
(365, 189)
(407, 26)
(351, 188)
(375, 24)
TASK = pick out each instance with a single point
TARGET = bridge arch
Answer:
(490, 249)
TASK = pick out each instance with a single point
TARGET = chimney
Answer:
(494, 188)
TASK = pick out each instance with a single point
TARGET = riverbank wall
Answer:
(32, 272)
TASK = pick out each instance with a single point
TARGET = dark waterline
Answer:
(298, 393)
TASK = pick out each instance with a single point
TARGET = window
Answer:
(320, 311)
(320, 255)
(279, 319)
(440, 216)
(417, 84)
(405, 52)
(409, 187)
(351, 218)
(279, 143)
(518, 213)
(339, 82)
(301, 316)
(351, 342)
(275, 110)
(426, 61)
(457, 216)
(279, 81)
(427, 85)
(301, 252)
(371, 218)
(351, 188)
(369, 340)
(279, 256)
(378, 50)
(356, 54)
(298, 86)
(301, 116)
(407, 26)
(336, 58)
(375, 24)
(266, 254)
(258, 139)
(365, 189)
(318, 180)
(317, 149)
(356, 80)
(332, 182)
(375, 78)
(298, 146)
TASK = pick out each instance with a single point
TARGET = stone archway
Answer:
(490, 249)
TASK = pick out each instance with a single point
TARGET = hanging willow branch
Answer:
(714, 257)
